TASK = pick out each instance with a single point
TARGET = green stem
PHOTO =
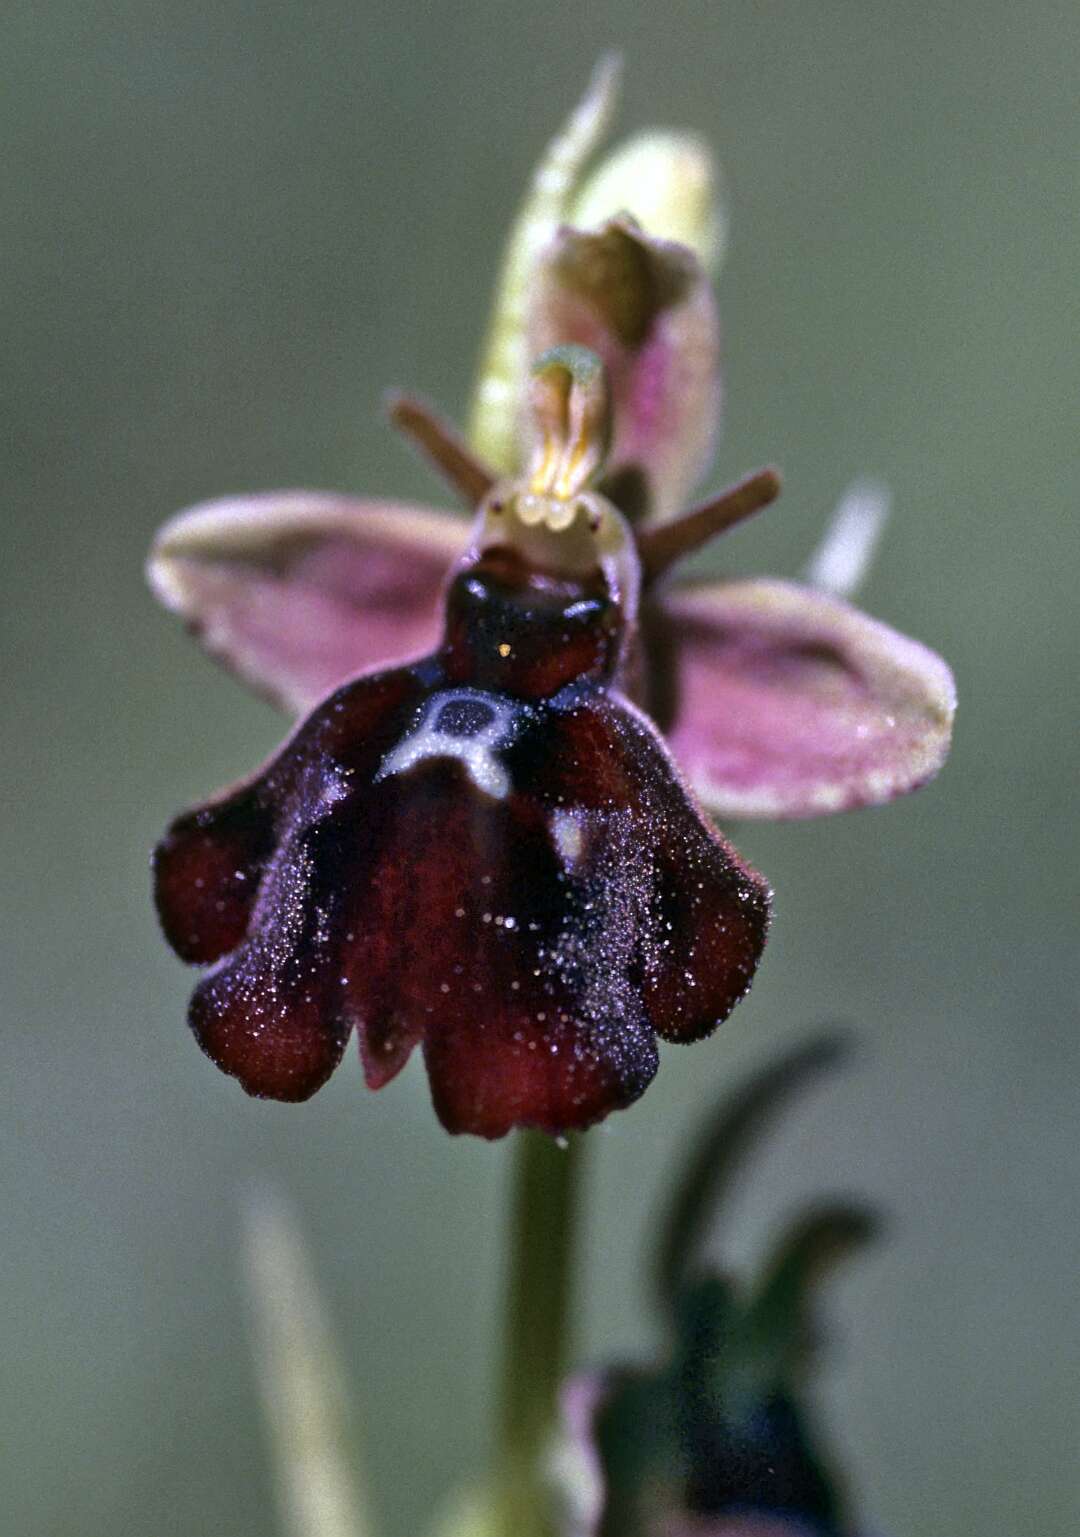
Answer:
(535, 1346)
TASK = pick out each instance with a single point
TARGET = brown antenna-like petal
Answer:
(443, 446)
(663, 544)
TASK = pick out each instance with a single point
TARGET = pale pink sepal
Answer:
(646, 308)
(296, 591)
(792, 703)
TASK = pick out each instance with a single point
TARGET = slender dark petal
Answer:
(663, 544)
(443, 446)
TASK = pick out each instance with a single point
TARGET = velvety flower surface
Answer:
(487, 849)
(516, 880)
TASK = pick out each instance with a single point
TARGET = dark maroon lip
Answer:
(486, 853)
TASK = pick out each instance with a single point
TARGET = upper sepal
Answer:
(786, 702)
(669, 183)
(645, 307)
(494, 418)
(296, 591)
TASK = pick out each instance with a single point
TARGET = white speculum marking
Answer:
(568, 836)
(461, 723)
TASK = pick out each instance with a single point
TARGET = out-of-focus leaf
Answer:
(780, 1309)
(717, 1156)
(314, 1454)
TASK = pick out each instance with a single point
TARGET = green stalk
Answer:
(546, 1179)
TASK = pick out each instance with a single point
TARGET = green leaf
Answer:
(720, 1151)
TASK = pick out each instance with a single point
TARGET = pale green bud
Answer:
(504, 363)
(670, 184)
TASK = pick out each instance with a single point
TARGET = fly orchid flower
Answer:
(487, 849)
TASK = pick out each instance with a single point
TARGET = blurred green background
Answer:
(227, 226)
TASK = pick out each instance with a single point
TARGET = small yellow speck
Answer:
(504, 648)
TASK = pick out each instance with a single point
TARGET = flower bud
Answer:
(670, 184)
